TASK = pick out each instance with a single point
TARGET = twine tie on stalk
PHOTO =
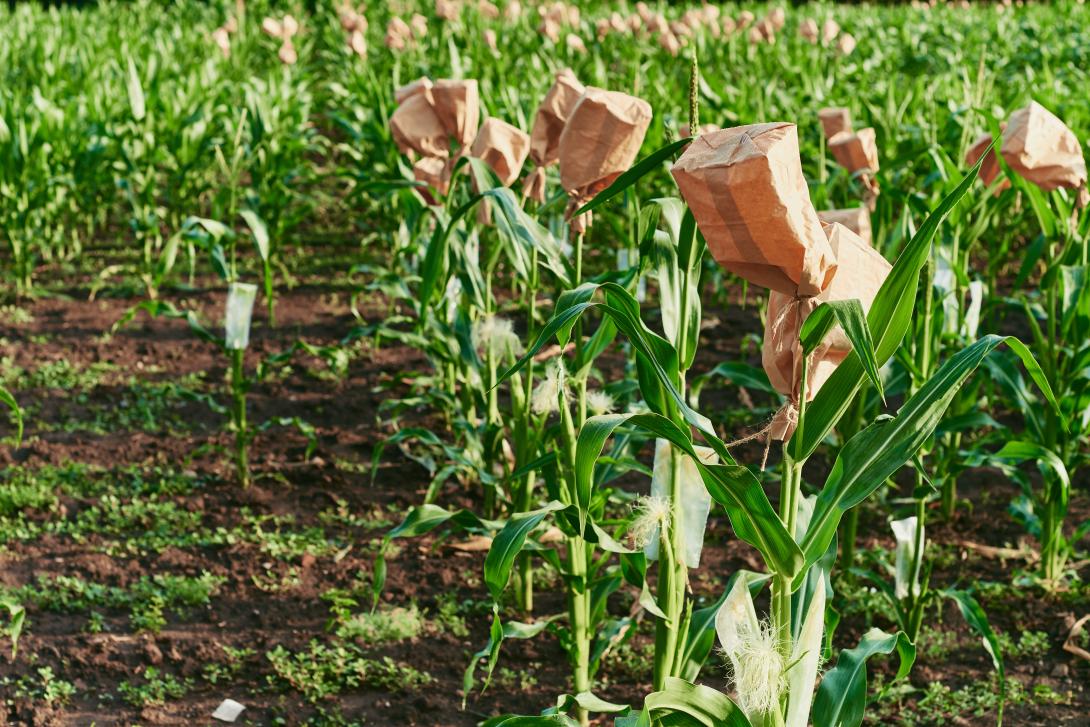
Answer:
(783, 423)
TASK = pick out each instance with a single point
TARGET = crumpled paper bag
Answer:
(600, 141)
(1040, 147)
(428, 118)
(835, 120)
(414, 124)
(746, 189)
(856, 219)
(859, 273)
(696, 503)
(549, 123)
(502, 147)
(434, 172)
(458, 106)
(856, 152)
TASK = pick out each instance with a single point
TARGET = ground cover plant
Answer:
(485, 363)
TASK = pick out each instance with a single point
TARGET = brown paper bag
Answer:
(549, 122)
(856, 152)
(600, 140)
(808, 30)
(856, 219)
(458, 106)
(859, 274)
(421, 85)
(503, 147)
(989, 169)
(435, 172)
(1040, 147)
(835, 120)
(416, 127)
(747, 191)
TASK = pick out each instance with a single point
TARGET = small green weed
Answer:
(324, 670)
(155, 689)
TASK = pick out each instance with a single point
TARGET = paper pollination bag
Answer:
(458, 106)
(856, 219)
(429, 118)
(549, 123)
(835, 120)
(808, 30)
(502, 147)
(860, 272)
(856, 152)
(1040, 148)
(748, 194)
(600, 140)
(415, 126)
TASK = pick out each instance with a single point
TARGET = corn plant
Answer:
(240, 306)
(1058, 316)
(775, 661)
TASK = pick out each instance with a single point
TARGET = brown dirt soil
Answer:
(345, 414)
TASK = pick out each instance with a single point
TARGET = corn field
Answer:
(469, 362)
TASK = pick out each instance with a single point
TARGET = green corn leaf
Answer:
(849, 314)
(553, 328)
(640, 169)
(420, 520)
(436, 257)
(1015, 452)
(16, 413)
(497, 633)
(260, 232)
(707, 706)
(888, 320)
(526, 234)
(739, 373)
(16, 620)
(735, 487)
(508, 544)
(136, 92)
(550, 720)
(842, 695)
(879, 450)
(974, 615)
(592, 439)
